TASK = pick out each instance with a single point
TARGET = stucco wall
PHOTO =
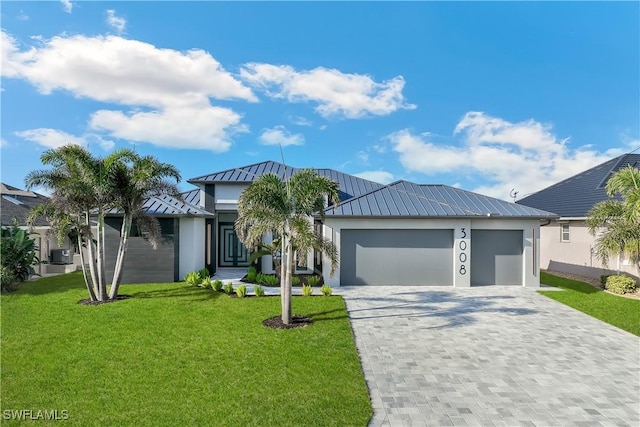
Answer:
(192, 245)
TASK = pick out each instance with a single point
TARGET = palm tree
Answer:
(84, 187)
(618, 221)
(271, 205)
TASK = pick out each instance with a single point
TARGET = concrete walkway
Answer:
(491, 356)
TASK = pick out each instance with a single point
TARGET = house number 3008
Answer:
(462, 257)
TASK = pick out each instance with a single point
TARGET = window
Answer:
(564, 233)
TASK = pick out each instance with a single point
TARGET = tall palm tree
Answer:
(617, 222)
(84, 187)
(271, 205)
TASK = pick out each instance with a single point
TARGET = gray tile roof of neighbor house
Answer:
(407, 199)
(15, 203)
(575, 196)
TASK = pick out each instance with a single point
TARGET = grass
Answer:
(621, 312)
(177, 355)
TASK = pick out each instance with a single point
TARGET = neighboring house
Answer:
(15, 205)
(397, 234)
(566, 244)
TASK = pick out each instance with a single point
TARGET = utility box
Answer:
(60, 256)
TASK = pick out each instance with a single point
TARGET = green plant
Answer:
(271, 280)
(192, 278)
(228, 288)
(295, 281)
(603, 279)
(620, 284)
(260, 279)
(307, 290)
(18, 256)
(313, 280)
(203, 273)
(206, 283)
(257, 289)
(326, 290)
(216, 285)
(252, 274)
(241, 291)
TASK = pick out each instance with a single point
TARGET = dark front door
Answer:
(231, 251)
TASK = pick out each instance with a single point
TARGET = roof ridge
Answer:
(615, 166)
(240, 168)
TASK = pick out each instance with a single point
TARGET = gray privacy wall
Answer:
(397, 257)
(143, 264)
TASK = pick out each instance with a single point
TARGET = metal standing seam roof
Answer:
(166, 205)
(407, 199)
(575, 196)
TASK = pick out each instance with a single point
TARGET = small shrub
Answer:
(193, 278)
(204, 274)
(313, 280)
(295, 281)
(241, 291)
(206, 283)
(271, 280)
(252, 274)
(216, 285)
(260, 279)
(620, 284)
(603, 279)
(326, 290)
(228, 288)
(257, 289)
(307, 290)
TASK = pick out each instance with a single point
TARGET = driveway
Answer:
(491, 356)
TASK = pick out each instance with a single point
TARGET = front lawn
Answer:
(621, 312)
(177, 355)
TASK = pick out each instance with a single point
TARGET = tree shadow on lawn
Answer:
(456, 309)
(322, 316)
(190, 292)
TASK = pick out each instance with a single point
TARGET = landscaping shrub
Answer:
(307, 290)
(260, 279)
(241, 291)
(271, 280)
(203, 273)
(18, 256)
(326, 290)
(216, 285)
(295, 281)
(257, 289)
(603, 279)
(252, 274)
(205, 283)
(193, 278)
(228, 288)
(313, 280)
(620, 284)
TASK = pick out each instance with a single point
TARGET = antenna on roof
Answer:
(513, 194)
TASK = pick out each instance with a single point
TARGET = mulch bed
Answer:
(297, 321)
(87, 301)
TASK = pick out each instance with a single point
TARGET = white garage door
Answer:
(396, 257)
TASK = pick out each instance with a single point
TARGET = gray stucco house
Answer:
(566, 244)
(397, 234)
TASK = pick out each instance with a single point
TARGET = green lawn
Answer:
(621, 312)
(176, 355)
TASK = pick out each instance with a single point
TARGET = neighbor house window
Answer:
(565, 233)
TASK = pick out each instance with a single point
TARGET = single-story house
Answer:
(396, 234)
(15, 206)
(566, 244)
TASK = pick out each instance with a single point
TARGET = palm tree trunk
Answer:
(89, 285)
(286, 287)
(102, 288)
(122, 248)
(92, 257)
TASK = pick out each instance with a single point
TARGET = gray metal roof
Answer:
(407, 199)
(16, 203)
(192, 197)
(575, 196)
(166, 205)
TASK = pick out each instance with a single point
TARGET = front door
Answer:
(231, 251)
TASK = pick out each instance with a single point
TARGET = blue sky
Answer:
(484, 96)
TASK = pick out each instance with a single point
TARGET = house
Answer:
(15, 206)
(396, 234)
(566, 244)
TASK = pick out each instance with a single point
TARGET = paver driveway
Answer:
(491, 356)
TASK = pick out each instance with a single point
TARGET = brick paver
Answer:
(491, 356)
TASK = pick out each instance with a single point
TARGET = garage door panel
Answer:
(396, 257)
(496, 257)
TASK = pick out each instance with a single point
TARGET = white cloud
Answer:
(53, 138)
(67, 5)
(279, 135)
(118, 23)
(3, 143)
(362, 156)
(300, 121)
(23, 16)
(205, 128)
(526, 156)
(336, 93)
(383, 177)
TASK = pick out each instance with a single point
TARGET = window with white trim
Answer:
(564, 233)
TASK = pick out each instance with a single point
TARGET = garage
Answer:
(496, 257)
(396, 257)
